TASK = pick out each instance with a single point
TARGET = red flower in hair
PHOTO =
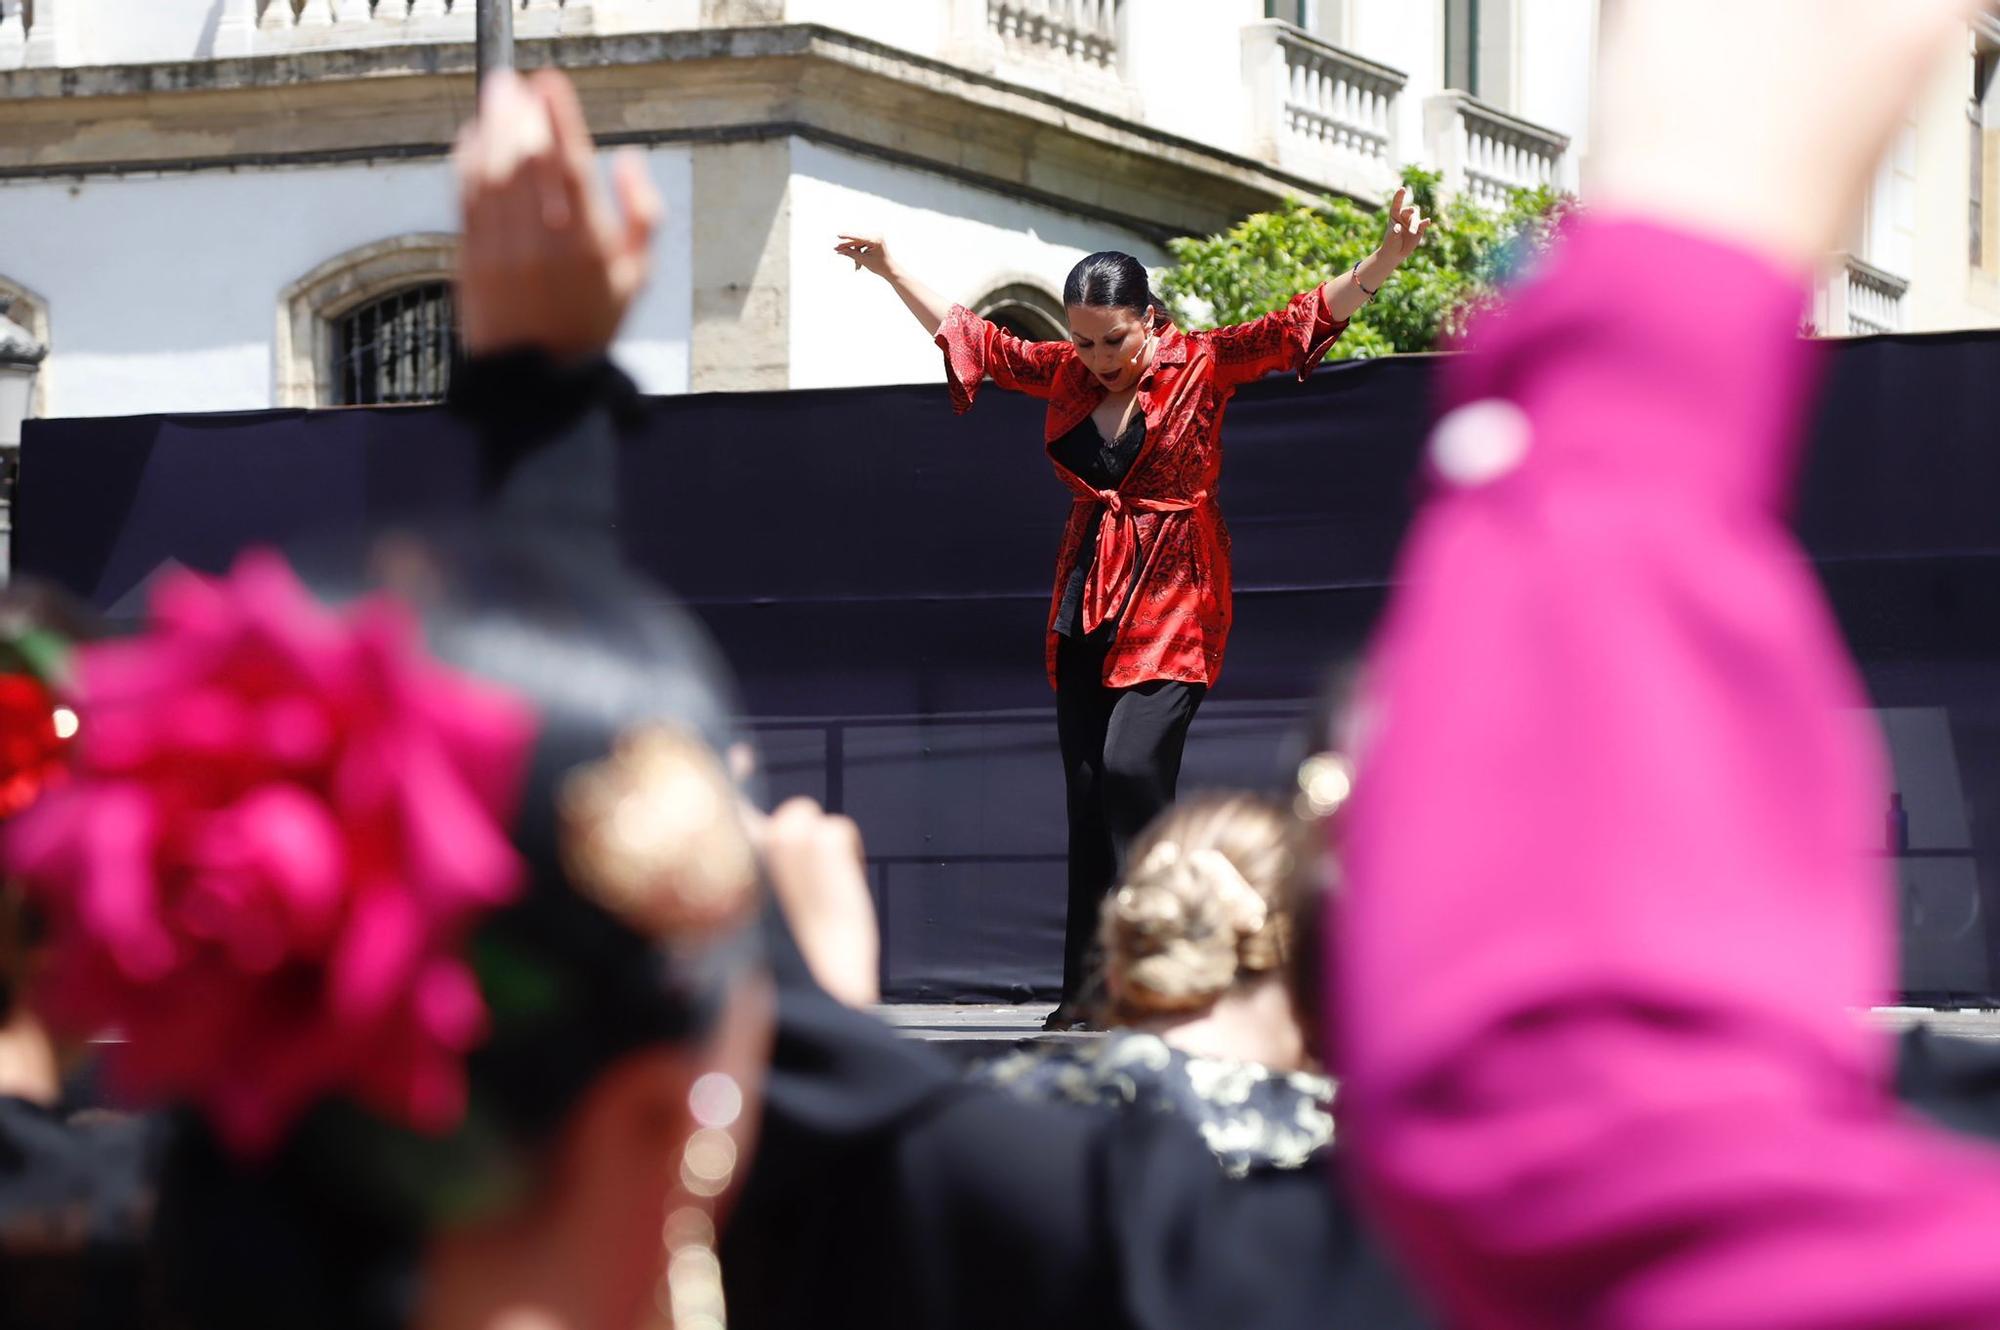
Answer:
(281, 825)
(33, 753)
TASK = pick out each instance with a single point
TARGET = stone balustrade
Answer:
(1863, 300)
(1085, 31)
(1486, 154)
(1321, 111)
(266, 25)
(42, 33)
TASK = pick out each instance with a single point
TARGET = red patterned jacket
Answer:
(1177, 619)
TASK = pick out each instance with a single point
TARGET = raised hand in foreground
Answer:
(547, 262)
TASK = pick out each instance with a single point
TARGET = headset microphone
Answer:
(1132, 361)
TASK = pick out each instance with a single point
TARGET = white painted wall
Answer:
(1555, 58)
(961, 241)
(163, 290)
(1406, 35)
(1184, 59)
(921, 26)
(617, 16)
(653, 347)
(131, 31)
(1891, 231)
(1329, 19)
(1945, 291)
(117, 32)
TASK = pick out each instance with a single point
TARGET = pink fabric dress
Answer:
(1608, 913)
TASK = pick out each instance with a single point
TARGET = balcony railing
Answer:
(1486, 154)
(1085, 31)
(282, 24)
(1321, 111)
(1862, 300)
(36, 33)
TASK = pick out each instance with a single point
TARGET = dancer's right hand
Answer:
(1760, 121)
(867, 251)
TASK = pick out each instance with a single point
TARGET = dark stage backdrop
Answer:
(879, 570)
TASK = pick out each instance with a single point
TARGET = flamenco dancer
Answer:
(1141, 610)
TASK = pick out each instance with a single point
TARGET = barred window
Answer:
(397, 349)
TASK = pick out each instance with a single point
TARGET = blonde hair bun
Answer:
(1206, 903)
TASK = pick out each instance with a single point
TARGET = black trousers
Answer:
(1121, 754)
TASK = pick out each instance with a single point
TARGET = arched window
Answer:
(1026, 311)
(375, 326)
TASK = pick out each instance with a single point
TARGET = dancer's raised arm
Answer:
(1406, 228)
(872, 253)
(974, 348)
(1296, 337)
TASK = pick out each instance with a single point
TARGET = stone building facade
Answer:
(228, 204)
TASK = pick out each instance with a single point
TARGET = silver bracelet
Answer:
(1356, 275)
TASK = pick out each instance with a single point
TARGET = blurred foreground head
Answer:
(427, 902)
(1222, 890)
(1229, 889)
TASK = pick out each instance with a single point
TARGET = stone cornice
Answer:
(702, 85)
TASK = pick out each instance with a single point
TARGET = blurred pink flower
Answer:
(282, 825)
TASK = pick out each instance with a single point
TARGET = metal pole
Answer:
(495, 28)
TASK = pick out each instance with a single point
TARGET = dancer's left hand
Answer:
(817, 871)
(547, 262)
(1407, 227)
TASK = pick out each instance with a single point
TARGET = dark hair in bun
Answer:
(1109, 280)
